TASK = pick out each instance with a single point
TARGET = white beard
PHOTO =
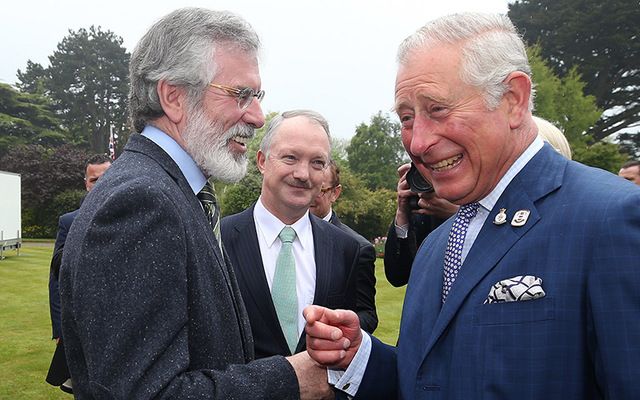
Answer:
(208, 146)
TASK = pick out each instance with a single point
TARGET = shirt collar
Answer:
(328, 216)
(271, 226)
(185, 163)
(492, 198)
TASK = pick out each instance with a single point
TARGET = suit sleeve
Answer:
(398, 256)
(54, 286)
(614, 297)
(366, 288)
(129, 295)
(380, 380)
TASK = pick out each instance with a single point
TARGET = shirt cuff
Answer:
(350, 379)
(402, 231)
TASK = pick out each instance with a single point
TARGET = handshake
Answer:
(333, 336)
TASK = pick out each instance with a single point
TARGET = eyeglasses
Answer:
(244, 96)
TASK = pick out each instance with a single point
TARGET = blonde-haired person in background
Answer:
(552, 135)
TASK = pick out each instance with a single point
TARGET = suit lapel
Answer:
(426, 275)
(251, 270)
(539, 177)
(140, 144)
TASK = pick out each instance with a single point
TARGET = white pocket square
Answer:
(518, 288)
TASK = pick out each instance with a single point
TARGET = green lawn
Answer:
(26, 348)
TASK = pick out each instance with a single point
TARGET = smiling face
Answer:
(217, 130)
(459, 145)
(293, 169)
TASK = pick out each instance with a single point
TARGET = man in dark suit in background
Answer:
(58, 374)
(150, 304)
(533, 289)
(417, 215)
(293, 157)
(366, 282)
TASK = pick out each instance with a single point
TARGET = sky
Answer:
(336, 57)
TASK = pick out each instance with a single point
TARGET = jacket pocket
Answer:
(515, 312)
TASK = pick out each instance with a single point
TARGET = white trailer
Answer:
(10, 212)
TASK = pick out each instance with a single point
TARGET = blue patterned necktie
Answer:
(207, 197)
(283, 290)
(453, 253)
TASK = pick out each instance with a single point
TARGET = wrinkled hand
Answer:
(333, 336)
(312, 378)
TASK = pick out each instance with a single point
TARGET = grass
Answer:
(389, 306)
(26, 348)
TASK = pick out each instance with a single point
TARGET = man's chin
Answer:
(230, 173)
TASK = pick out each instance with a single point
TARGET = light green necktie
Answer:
(283, 290)
(207, 197)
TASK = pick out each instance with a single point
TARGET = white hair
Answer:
(490, 45)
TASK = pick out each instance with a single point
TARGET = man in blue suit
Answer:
(541, 298)
(58, 374)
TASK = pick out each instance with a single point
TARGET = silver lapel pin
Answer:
(501, 217)
(520, 217)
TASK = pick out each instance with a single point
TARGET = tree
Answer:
(562, 102)
(376, 151)
(365, 211)
(27, 119)
(597, 39)
(45, 174)
(88, 82)
(33, 80)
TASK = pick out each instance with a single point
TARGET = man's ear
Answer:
(173, 101)
(336, 193)
(517, 96)
(261, 159)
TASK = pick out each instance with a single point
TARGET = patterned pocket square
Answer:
(518, 288)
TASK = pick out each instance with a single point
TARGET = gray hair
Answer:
(180, 50)
(491, 50)
(275, 122)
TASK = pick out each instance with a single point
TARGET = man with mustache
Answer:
(150, 303)
(293, 158)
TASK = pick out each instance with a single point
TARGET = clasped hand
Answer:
(333, 336)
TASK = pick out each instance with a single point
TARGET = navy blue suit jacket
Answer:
(336, 256)
(64, 224)
(580, 341)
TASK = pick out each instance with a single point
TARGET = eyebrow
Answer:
(404, 103)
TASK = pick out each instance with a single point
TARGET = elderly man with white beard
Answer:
(150, 305)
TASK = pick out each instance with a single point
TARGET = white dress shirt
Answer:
(268, 228)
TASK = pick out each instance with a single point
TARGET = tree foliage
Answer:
(366, 211)
(27, 119)
(45, 173)
(600, 40)
(376, 151)
(88, 82)
(562, 102)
